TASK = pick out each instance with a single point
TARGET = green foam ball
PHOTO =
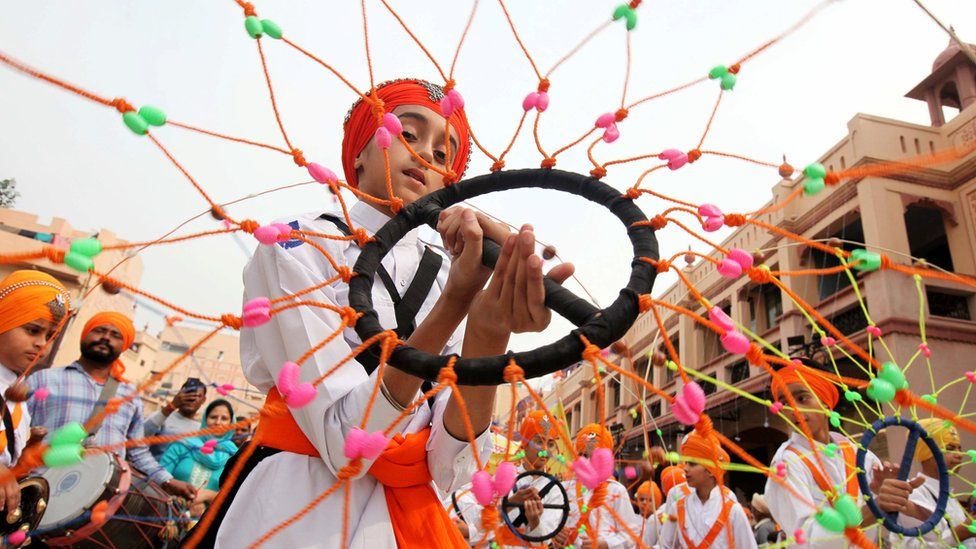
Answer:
(728, 81)
(253, 27)
(852, 396)
(880, 390)
(815, 171)
(865, 261)
(153, 115)
(891, 373)
(136, 123)
(830, 450)
(79, 262)
(718, 71)
(89, 247)
(271, 28)
(812, 186)
(930, 399)
(830, 519)
(835, 419)
(64, 455)
(849, 510)
(72, 433)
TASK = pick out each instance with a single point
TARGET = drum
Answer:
(138, 512)
(33, 504)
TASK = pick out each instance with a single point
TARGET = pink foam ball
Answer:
(742, 257)
(729, 268)
(735, 343)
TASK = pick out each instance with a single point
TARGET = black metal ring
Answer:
(600, 327)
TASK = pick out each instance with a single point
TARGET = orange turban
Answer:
(123, 324)
(671, 476)
(538, 422)
(708, 450)
(593, 436)
(24, 296)
(649, 489)
(361, 123)
(824, 390)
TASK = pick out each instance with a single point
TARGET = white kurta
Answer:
(471, 511)
(652, 527)
(283, 484)
(942, 535)
(610, 531)
(701, 516)
(791, 513)
(22, 428)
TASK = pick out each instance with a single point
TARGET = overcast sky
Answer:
(74, 159)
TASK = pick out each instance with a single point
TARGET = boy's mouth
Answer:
(416, 175)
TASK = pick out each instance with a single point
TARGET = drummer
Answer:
(76, 388)
(32, 304)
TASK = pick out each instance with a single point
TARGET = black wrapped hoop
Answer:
(600, 327)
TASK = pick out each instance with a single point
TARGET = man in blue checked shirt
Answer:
(75, 389)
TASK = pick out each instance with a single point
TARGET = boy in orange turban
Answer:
(708, 514)
(445, 280)
(816, 396)
(649, 499)
(602, 527)
(75, 389)
(32, 304)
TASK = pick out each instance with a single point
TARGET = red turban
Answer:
(824, 390)
(538, 422)
(593, 436)
(362, 122)
(672, 476)
(123, 324)
(24, 296)
(708, 452)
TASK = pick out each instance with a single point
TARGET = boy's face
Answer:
(810, 407)
(645, 503)
(532, 460)
(697, 475)
(423, 130)
(21, 345)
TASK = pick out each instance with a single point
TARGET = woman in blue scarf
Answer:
(200, 460)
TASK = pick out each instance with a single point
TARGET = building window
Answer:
(850, 321)
(656, 409)
(708, 387)
(174, 347)
(641, 365)
(851, 236)
(711, 341)
(614, 386)
(926, 235)
(948, 304)
(772, 298)
(738, 372)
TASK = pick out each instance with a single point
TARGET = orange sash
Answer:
(418, 518)
(847, 451)
(720, 522)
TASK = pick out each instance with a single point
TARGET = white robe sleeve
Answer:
(451, 461)
(668, 538)
(341, 401)
(742, 534)
(619, 500)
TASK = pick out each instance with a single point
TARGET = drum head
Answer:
(76, 489)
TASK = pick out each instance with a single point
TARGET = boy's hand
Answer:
(468, 274)
(514, 301)
(449, 225)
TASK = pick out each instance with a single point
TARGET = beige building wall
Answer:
(217, 362)
(126, 269)
(944, 197)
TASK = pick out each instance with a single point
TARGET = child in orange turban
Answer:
(31, 305)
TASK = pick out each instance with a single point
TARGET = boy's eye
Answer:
(440, 156)
(408, 136)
